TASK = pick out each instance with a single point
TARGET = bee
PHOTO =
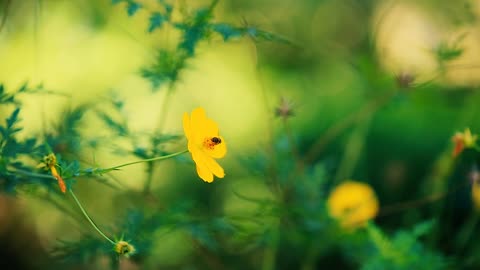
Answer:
(210, 143)
(216, 140)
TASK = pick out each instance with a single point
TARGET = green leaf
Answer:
(156, 21)
(13, 118)
(226, 31)
(23, 88)
(119, 128)
(166, 68)
(132, 8)
(195, 28)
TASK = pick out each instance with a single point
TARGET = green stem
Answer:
(26, 173)
(353, 150)
(144, 160)
(148, 183)
(164, 108)
(367, 110)
(89, 219)
(114, 262)
(270, 254)
(465, 233)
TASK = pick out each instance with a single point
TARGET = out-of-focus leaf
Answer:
(133, 7)
(227, 31)
(156, 21)
(165, 69)
(13, 118)
(116, 126)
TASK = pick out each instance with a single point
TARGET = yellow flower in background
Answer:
(353, 204)
(50, 163)
(205, 144)
(476, 195)
(474, 176)
(463, 140)
(124, 248)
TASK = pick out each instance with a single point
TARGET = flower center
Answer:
(210, 143)
(50, 160)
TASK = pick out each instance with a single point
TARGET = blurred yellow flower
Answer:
(474, 176)
(124, 248)
(353, 204)
(50, 163)
(463, 140)
(205, 144)
(476, 195)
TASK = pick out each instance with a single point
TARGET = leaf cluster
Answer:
(194, 27)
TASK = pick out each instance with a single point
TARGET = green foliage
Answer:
(282, 219)
(156, 21)
(12, 149)
(142, 145)
(12, 98)
(166, 68)
(80, 252)
(65, 136)
(403, 250)
(449, 51)
(194, 28)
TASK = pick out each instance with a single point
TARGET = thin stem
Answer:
(36, 38)
(144, 160)
(164, 107)
(148, 183)
(353, 150)
(5, 15)
(114, 262)
(331, 133)
(465, 234)
(89, 219)
(270, 254)
(27, 173)
(213, 4)
(401, 206)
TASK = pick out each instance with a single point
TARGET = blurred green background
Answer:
(378, 88)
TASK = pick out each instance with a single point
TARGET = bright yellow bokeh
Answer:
(353, 204)
(476, 195)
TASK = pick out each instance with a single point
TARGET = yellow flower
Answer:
(476, 195)
(50, 163)
(352, 204)
(124, 248)
(474, 176)
(463, 140)
(205, 144)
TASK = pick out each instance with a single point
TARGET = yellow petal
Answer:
(210, 128)
(197, 120)
(213, 166)
(202, 169)
(201, 126)
(219, 150)
(205, 174)
(186, 126)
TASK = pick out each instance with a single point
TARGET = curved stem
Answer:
(401, 206)
(143, 160)
(89, 219)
